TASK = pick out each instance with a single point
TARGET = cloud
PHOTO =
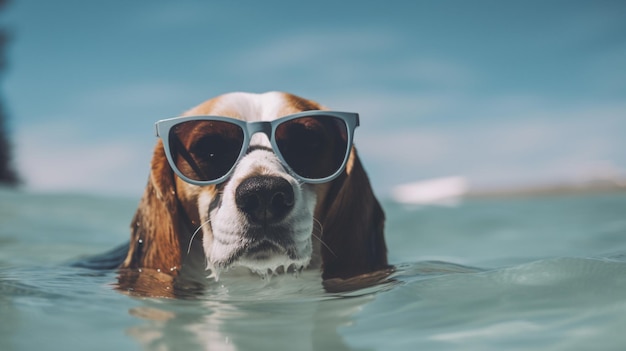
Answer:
(433, 72)
(137, 94)
(327, 61)
(57, 158)
(502, 141)
(388, 108)
(303, 49)
(149, 99)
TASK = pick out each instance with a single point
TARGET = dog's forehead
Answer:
(254, 107)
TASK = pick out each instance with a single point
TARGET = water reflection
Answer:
(244, 312)
(291, 315)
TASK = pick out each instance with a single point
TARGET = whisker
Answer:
(194, 235)
(321, 230)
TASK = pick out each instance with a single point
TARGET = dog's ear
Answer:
(353, 225)
(154, 230)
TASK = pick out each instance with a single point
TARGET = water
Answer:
(509, 274)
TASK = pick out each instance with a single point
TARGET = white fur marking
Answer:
(255, 107)
(228, 224)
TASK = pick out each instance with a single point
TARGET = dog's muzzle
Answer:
(265, 200)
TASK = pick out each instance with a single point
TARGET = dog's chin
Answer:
(265, 258)
(268, 258)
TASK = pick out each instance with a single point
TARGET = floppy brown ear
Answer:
(353, 226)
(154, 230)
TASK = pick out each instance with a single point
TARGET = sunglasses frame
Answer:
(164, 126)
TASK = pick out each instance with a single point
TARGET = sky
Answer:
(503, 93)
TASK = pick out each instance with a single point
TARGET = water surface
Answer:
(546, 273)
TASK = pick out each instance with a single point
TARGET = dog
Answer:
(268, 183)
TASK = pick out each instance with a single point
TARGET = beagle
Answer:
(267, 183)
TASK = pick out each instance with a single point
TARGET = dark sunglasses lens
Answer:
(314, 147)
(205, 150)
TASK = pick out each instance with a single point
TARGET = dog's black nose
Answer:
(265, 199)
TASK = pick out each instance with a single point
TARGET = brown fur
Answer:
(353, 223)
(352, 218)
(155, 228)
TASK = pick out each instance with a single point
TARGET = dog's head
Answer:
(273, 210)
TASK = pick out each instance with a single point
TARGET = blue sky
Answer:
(503, 93)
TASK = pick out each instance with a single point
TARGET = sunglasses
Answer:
(313, 146)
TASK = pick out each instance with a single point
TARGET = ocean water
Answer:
(543, 273)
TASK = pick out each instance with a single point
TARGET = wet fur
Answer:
(348, 239)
